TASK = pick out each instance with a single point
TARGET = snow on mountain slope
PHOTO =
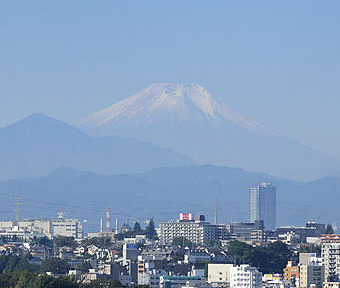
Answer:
(187, 119)
(176, 103)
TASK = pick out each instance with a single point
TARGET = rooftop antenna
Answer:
(61, 213)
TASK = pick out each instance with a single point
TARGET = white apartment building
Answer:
(196, 231)
(33, 227)
(67, 227)
(151, 277)
(42, 227)
(147, 273)
(245, 276)
(330, 253)
(219, 274)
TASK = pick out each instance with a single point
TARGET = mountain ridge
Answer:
(161, 194)
(38, 144)
(184, 103)
(207, 132)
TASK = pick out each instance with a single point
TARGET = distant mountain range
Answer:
(188, 119)
(165, 192)
(139, 179)
(39, 144)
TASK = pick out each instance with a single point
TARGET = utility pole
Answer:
(101, 225)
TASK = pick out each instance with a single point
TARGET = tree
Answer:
(84, 266)
(45, 281)
(9, 280)
(61, 241)
(43, 241)
(14, 263)
(101, 242)
(107, 283)
(271, 259)
(150, 230)
(329, 229)
(54, 265)
(240, 250)
(25, 279)
(29, 280)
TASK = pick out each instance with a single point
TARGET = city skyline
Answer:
(169, 144)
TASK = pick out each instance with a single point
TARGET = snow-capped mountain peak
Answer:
(176, 103)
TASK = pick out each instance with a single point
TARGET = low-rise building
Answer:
(244, 276)
(291, 272)
(183, 281)
(219, 274)
(197, 256)
(243, 231)
(311, 229)
(27, 229)
(312, 274)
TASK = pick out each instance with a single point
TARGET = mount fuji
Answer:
(170, 103)
(188, 119)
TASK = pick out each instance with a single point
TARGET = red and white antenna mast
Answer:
(61, 213)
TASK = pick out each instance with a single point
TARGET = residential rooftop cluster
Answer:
(187, 252)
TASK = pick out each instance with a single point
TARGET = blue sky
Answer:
(275, 61)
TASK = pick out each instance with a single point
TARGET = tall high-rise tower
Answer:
(263, 204)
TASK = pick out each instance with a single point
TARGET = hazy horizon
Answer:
(277, 63)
